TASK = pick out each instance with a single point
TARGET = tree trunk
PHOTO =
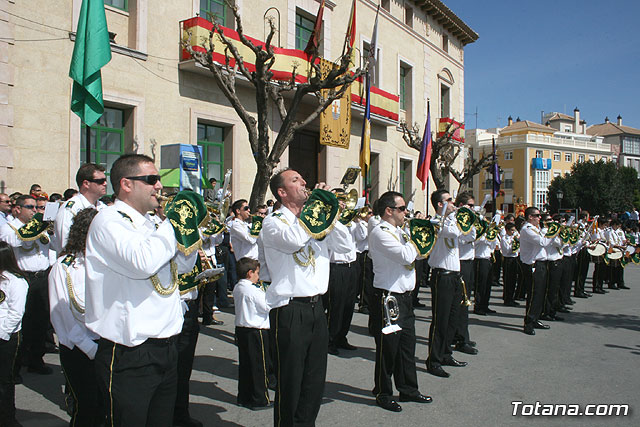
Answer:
(260, 186)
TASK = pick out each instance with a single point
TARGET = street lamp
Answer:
(559, 195)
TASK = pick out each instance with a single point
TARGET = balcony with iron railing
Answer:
(195, 31)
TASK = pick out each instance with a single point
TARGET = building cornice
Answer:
(449, 20)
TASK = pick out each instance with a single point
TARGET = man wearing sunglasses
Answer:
(92, 183)
(132, 299)
(446, 289)
(393, 255)
(243, 243)
(33, 259)
(534, 269)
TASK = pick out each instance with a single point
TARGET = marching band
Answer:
(127, 288)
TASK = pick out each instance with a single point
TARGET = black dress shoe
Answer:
(479, 312)
(581, 296)
(453, 362)
(420, 398)
(333, 350)
(363, 310)
(570, 302)
(418, 304)
(187, 422)
(512, 304)
(257, 407)
(563, 310)
(557, 318)
(466, 348)
(490, 311)
(623, 287)
(529, 331)
(546, 317)
(345, 345)
(388, 404)
(613, 287)
(438, 371)
(42, 370)
(471, 343)
(598, 291)
(540, 325)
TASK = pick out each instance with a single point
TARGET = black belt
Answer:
(402, 294)
(162, 341)
(40, 273)
(443, 272)
(540, 262)
(344, 264)
(309, 300)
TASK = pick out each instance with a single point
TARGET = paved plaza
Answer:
(590, 358)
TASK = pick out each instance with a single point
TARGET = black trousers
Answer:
(521, 286)
(599, 273)
(616, 272)
(483, 283)
(35, 322)
(422, 277)
(461, 323)
(138, 383)
(554, 276)
(340, 299)
(535, 277)
(395, 353)
(361, 297)
(80, 374)
(446, 295)
(568, 269)
(186, 346)
(367, 281)
(496, 266)
(254, 366)
(301, 340)
(582, 269)
(8, 354)
(509, 274)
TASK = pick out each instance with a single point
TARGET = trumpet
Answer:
(350, 199)
(465, 301)
(391, 314)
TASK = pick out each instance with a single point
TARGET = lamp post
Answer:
(559, 195)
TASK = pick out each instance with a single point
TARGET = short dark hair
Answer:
(126, 165)
(33, 187)
(463, 198)
(509, 226)
(245, 265)
(269, 202)
(277, 181)
(530, 211)
(436, 197)
(235, 207)
(86, 172)
(54, 197)
(21, 199)
(261, 207)
(69, 193)
(78, 232)
(387, 200)
(509, 217)
(519, 222)
(615, 221)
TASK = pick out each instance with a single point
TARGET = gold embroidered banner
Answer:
(335, 120)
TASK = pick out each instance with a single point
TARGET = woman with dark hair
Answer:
(13, 297)
(78, 345)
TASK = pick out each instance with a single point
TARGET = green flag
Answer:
(91, 52)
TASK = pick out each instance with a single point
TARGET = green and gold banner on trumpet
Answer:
(187, 213)
(465, 219)
(553, 229)
(565, 234)
(481, 227)
(213, 228)
(187, 281)
(36, 228)
(423, 235)
(320, 213)
(256, 225)
(492, 232)
(574, 236)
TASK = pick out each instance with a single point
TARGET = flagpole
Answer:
(88, 143)
(493, 175)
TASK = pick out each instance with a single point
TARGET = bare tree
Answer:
(444, 151)
(322, 86)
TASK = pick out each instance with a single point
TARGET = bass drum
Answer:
(598, 250)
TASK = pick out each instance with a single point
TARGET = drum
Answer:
(598, 250)
(616, 253)
(630, 250)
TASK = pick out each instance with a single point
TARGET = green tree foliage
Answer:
(599, 188)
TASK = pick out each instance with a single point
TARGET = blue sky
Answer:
(552, 56)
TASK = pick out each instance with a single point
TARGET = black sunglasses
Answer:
(147, 179)
(28, 206)
(246, 208)
(400, 208)
(98, 181)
